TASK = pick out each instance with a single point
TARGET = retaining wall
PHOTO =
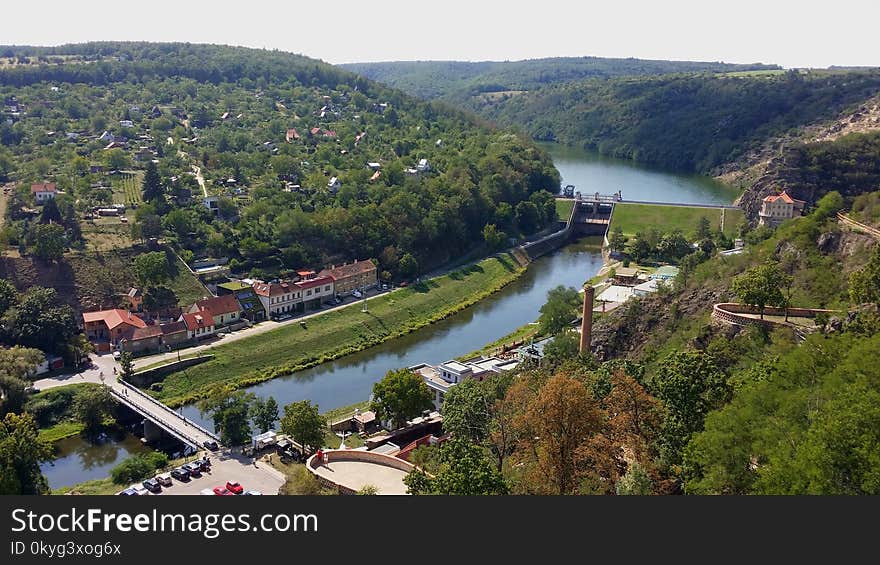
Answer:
(146, 378)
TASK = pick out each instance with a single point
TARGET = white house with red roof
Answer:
(278, 298)
(223, 310)
(106, 328)
(292, 135)
(315, 289)
(199, 325)
(44, 191)
(776, 208)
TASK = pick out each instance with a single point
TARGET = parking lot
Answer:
(229, 467)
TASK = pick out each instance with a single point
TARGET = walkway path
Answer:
(859, 226)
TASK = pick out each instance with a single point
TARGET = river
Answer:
(590, 172)
(77, 459)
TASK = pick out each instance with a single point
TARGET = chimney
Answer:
(587, 320)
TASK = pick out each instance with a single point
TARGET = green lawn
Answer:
(632, 218)
(186, 286)
(563, 209)
(61, 430)
(127, 188)
(334, 334)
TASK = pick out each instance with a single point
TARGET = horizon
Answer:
(799, 36)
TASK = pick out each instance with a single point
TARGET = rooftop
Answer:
(349, 269)
(113, 318)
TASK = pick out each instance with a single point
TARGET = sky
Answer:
(792, 34)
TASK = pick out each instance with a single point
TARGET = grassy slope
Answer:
(61, 430)
(185, 285)
(563, 209)
(334, 334)
(632, 218)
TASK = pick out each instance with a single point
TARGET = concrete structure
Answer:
(106, 328)
(587, 319)
(777, 208)
(44, 191)
(142, 340)
(442, 377)
(174, 335)
(351, 276)
(350, 470)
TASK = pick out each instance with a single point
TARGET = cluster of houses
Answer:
(440, 378)
(628, 282)
(238, 304)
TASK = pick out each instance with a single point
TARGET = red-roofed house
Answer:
(199, 325)
(351, 276)
(279, 298)
(777, 208)
(315, 131)
(292, 135)
(224, 309)
(44, 191)
(174, 334)
(106, 328)
(315, 289)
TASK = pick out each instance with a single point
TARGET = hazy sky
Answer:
(793, 34)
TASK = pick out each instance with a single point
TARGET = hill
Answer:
(271, 160)
(458, 80)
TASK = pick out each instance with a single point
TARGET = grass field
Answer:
(127, 188)
(563, 209)
(755, 74)
(106, 234)
(185, 284)
(632, 218)
(61, 430)
(294, 347)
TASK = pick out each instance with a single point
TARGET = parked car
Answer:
(194, 469)
(180, 474)
(210, 444)
(337, 300)
(139, 490)
(127, 492)
(152, 485)
(221, 491)
(252, 493)
(356, 293)
(384, 287)
(234, 487)
(207, 491)
(164, 479)
(117, 355)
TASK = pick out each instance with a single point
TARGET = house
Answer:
(50, 363)
(224, 116)
(777, 208)
(279, 298)
(135, 299)
(374, 166)
(334, 185)
(442, 377)
(664, 273)
(212, 203)
(351, 276)
(174, 334)
(107, 137)
(423, 166)
(251, 307)
(142, 340)
(647, 287)
(315, 131)
(292, 135)
(224, 309)
(359, 137)
(314, 289)
(376, 176)
(199, 325)
(106, 328)
(126, 123)
(44, 191)
(626, 276)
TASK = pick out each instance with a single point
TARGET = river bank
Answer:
(339, 333)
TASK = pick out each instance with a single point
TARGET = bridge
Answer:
(160, 417)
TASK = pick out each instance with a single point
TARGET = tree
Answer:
(690, 385)
(117, 159)
(230, 412)
(48, 241)
(153, 190)
(494, 238)
(304, 424)
(152, 269)
(617, 241)
(636, 481)
(464, 470)
(407, 266)
(16, 363)
(559, 430)
(8, 296)
(92, 405)
(528, 217)
(126, 365)
(400, 396)
(466, 411)
(50, 214)
(565, 345)
(761, 286)
(21, 453)
(864, 284)
(264, 413)
(39, 321)
(560, 309)
(704, 229)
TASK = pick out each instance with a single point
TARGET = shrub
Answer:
(138, 467)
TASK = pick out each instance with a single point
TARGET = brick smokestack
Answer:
(587, 320)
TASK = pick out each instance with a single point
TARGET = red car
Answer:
(221, 491)
(234, 487)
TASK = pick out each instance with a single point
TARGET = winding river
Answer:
(349, 380)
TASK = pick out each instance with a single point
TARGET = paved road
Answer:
(225, 467)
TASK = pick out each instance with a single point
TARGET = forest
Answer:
(303, 164)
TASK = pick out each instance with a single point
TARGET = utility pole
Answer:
(364, 292)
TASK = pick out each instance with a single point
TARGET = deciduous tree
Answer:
(399, 396)
(21, 453)
(304, 424)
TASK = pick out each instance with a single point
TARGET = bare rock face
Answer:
(827, 242)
